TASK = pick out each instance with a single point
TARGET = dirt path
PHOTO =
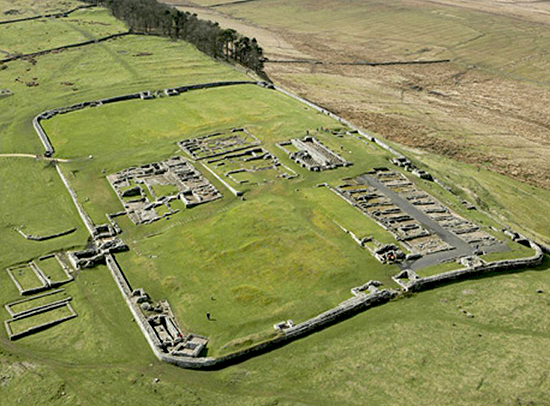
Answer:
(38, 157)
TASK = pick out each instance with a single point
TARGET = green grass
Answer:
(256, 273)
(52, 269)
(26, 277)
(164, 190)
(518, 251)
(420, 350)
(37, 35)
(97, 71)
(38, 301)
(27, 8)
(445, 358)
(349, 217)
(25, 323)
(284, 235)
(439, 268)
(34, 199)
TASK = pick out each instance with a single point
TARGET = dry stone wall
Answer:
(61, 48)
(473, 271)
(360, 302)
(346, 309)
(46, 237)
(49, 15)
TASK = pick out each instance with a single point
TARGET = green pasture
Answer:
(419, 350)
(36, 35)
(34, 200)
(277, 255)
(37, 301)
(14, 9)
(254, 256)
(52, 269)
(124, 65)
(25, 323)
(26, 277)
(245, 262)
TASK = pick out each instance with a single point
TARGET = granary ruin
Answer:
(312, 154)
(147, 191)
(416, 219)
(250, 165)
(220, 143)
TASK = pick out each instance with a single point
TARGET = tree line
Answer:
(152, 17)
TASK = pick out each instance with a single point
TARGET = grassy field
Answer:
(263, 249)
(26, 278)
(487, 106)
(36, 301)
(52, 269)
(112, 68)
(13, 9)
(417, 350)
(36, 35)
(34, 200)
(420, 350)
(20, 325)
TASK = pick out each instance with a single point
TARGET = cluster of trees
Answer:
(149, 16)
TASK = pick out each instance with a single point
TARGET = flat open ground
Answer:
(253, 257)
(13, 9)
(35, 35)
(245, 262)
(419, 350)
(488, 107)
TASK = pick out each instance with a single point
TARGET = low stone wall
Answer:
(340, 119)
(61, 48)
(40, 327)
(46, 237)
(344, 310)
(231, 189)
(358, 63)
(83, 215)
(468, 272)
(50, 15)
(48, 147)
